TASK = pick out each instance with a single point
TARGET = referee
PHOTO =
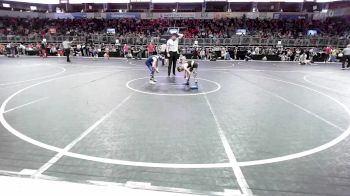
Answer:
(172, 48)
(66, 46)
(346, 57)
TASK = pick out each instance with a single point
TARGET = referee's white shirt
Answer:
(346, 51)
(173, 45)
(66, 44)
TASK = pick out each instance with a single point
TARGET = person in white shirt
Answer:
(22, 49)
(67, 46)
(172, 48)
(79, 50)
(53, 49)
(202, 54)
(106, 55)
(346, 57)
(303, 59)
(117, 43)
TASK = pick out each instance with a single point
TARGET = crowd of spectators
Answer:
(203, 53)
(192, 28)
(261, 53)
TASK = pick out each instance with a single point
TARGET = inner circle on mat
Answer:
(172, 86)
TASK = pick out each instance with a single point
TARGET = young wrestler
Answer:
(152, 65)
(190, 68)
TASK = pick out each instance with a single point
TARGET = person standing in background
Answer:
(150, 49)
(126, 50)
(333, 56)
(43, 48)
(79, 51)
(202, 54)
(346, 57)
(172, 48)
(67, 46)
(327, 52)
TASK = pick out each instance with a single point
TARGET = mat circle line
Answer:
(325, 146)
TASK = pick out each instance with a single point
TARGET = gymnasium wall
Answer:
(183, 15)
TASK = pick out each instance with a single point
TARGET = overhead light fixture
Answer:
(324, 10)
(33, 8)
(174, 10)
(120, 11)
(6, 5)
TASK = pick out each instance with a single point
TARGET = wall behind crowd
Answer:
(182, 15)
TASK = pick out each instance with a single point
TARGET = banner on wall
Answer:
(204, 15)
(77, 15)
(282, 16)
(219, 15)
(122, 15)
(97, 15)
(320, 16)
(253, 15)
(147, 15)
(177, 15)
(339, 12)
(342, 12)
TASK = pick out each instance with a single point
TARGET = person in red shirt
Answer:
(150, 49)
(126, 50)
(2, 49)
(327, 52)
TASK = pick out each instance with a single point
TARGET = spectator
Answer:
(202, 54)
(2, 49)
(150, 49)
(195, 28)
(53, 50)
(126, 50)
(327, 54)
(43, 48)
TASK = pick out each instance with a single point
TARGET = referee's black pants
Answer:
(172, 62)
(67, 52)
(346, 58)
